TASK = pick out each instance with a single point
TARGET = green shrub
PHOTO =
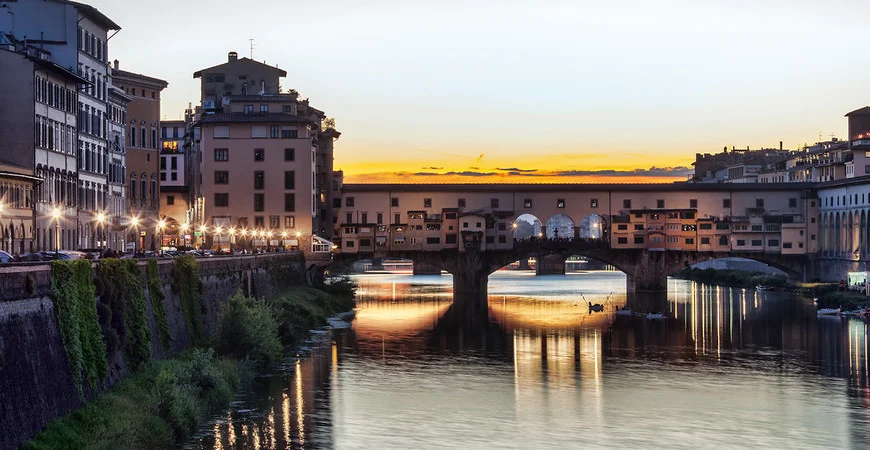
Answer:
(156, 295)
(846, 300)
(301, 309)
(342, 287)
(123, 313)
(247, 330)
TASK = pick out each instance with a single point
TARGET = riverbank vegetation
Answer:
(163, 402)
(828, 295)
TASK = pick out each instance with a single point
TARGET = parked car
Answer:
(30, 257)
(6, 257)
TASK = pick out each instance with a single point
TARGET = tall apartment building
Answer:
(38, 169)
(266, 156)
(143, 154)
(174, 181)
(76, 36)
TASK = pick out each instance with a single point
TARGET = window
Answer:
(174, 165)
(289, 154)
(289, 133)
(380, 217)
(626, 203)
(756, 242)
(638, 239)
(638, 227)
(264, 109)
(259, 179)
(622, 240)
(221, 177)
(287, 108)
(427, 202)
(162, 176)
(560, 203)
(786, 245)
(723, 240)
(289, 179)
(259, 222)
(259, 202)
(433, 240)
(792, 203)
(726, 203)
(348, 218)
(259, 131)
(174, 176)
(705, 241)
(660, 204)
(690, 241)
(162, 163)
(153, 138)
(741, 243)
(273, 131)
(274, 221)
(773, 242)
(461, 203)
(259, 154)
(397, 219)
(593, 203)
(289, 221)
(248, 109)
(450, 239)
(222, 199)
(705, 226)
(170, 199)
(622, 227)
(364, 218)
(759, 203)
(394, 202)
(348, 201)
(289, 202)
(527, 203)
(221, 154)
(693, 203)
(493, 202)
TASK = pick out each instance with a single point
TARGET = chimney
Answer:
(780, 145)
(232, 56)
(116, 64)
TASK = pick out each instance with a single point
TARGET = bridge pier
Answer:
(470, 280)
(550, 265)
(648, 273)
(422, 268)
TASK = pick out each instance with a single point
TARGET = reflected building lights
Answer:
(300, 404)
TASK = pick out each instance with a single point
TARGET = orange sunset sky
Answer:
(527, 91)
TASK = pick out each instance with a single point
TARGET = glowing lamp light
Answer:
(101, 217)
(55, 213)
(134, 221)
(202, 228)
(161, 224)
(299, 234)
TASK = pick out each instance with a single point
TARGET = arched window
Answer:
(132, 136)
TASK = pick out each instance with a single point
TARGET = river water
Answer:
(728, 367)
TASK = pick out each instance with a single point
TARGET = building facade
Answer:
(114, 222)
(143, 155)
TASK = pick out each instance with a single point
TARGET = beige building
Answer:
(143, 155)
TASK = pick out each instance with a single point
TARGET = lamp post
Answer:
(217, 234)
(232, 233)
(202, 231)
(135, 222)
(101, 218)
(184, 227)
(283, 238)
(244, 233)
(298, 240)
(162, 225)
(56, 214)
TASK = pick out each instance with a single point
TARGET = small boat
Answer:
(623, 312)
(828, 312)
(597, 307)
(655, 316)
(763, 287)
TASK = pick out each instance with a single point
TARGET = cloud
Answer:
(479, 158)
(432, 168)
(514, 169)
(652, 171)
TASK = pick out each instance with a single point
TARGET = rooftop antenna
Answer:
(252, 47)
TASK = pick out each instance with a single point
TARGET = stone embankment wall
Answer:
(36, 384)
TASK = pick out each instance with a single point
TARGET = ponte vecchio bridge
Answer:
(648, 231)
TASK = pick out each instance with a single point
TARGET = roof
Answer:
(93, 14)
(255, 118)
(267, 98)
(281, 73)
(577, 187)
(59, 70)
(123, 74)
(865, 111)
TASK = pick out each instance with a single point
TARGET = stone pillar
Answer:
(470, 280)
(421, 268)
(550, 265)
(647, 272)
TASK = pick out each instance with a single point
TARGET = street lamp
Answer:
(101, 218)
(217, 233)
(162, 225)
(56, 214)
(135, 222)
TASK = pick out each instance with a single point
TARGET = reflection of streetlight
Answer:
(56, 214)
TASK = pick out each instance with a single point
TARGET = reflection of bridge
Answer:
(645, 270)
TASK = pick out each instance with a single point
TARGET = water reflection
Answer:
(538, 369)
